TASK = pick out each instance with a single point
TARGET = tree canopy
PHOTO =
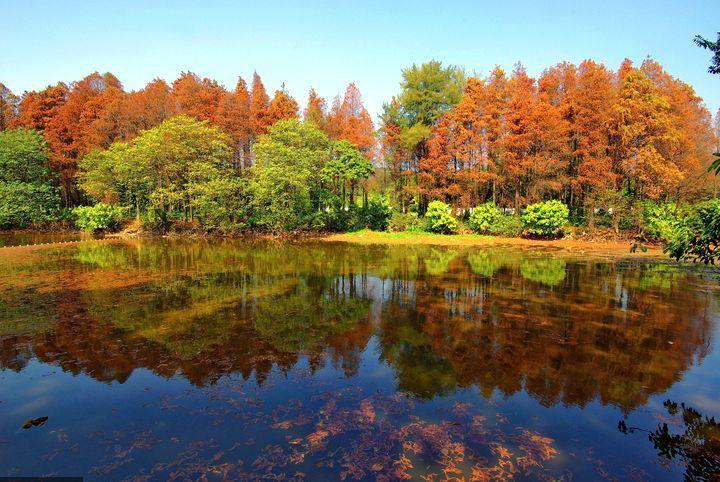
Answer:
(27, 193)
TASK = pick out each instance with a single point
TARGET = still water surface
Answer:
(156, 360)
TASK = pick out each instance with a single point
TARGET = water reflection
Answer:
(694, 439)
(565, 331)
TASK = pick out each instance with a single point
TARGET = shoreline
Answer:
(619, 248)
(616, 248)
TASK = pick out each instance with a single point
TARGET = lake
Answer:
(161, 359)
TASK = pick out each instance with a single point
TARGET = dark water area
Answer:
(162, 360)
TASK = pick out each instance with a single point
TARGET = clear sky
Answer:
(326, 44)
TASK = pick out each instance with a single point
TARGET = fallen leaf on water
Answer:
(34, 422)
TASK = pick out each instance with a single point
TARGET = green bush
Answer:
(510, 226)
(400, 222)
(100, 217)
(659, 220)
(376, 214)
(545, 219)
(486, 219)
(337, 220)
(153, 222)
(26, 203)
(695, 237)
(439, 219)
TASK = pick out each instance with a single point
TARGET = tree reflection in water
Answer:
(563, 330)
(696, 444)
(567, 331)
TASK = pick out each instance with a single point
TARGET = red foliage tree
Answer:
(316, 109)
(150, 105)
(8, 107)
(282, 106)
(38, 108)
(68, 131)
(199, 98)
(234, 118)
(259, 107)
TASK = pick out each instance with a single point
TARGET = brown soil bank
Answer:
(613, 248)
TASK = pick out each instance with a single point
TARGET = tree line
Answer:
(96, 111)
(583, 134)
(597, 140)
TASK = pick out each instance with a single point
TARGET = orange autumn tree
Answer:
(459, 167)
(517, 143)
(198, 98)
(396, 155)
(150, 105)
(692, 128)
(282, 106)
(592, 101)
(556, 87)
(548, 155)
(349, 120)
(316, 110)
(437, 177)
(234, 119)
(259, 107)
(110, 118)
(36, 109)
(68, 131)
(493, 124)
(8, 107)
(646, 135)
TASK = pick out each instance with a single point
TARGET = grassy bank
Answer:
(616, 248)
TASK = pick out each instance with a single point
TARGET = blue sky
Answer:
(327, 44)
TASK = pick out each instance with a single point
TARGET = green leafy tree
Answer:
(285, 182)
(181, 166)
(713, 47)
(428, 91)
(345, 170)
(695, 237)
(27, 194)
(714, 68)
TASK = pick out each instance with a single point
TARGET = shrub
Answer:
(400, 221)
(153, 222)
(659, 220)
(509, 225)
(545, 219)
(337, 220)
(486, 219)
(439, 219)
(100, 217)
(376, 214)
(695, 237)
